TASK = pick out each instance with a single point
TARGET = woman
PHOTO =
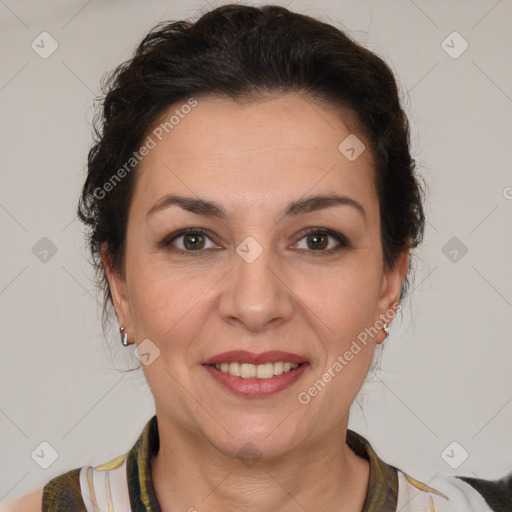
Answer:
(252, 205)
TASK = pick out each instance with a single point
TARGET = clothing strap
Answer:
(105, 488)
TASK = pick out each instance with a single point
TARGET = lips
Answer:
(256, 375)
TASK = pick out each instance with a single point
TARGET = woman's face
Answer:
(264, 269)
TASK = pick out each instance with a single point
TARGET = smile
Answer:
(256, 371)
(256, 375)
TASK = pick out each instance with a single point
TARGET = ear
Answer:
(391, 289)
(118, 290)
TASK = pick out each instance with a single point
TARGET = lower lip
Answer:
(257, 388)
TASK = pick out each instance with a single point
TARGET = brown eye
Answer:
(188, 241)
(317, 241)
(321, 241)
(193, 242)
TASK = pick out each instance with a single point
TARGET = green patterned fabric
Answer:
(63, 493)
(383, 486)
(138, 469)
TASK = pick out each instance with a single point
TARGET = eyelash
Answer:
(342, 240)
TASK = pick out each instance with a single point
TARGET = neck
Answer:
(190, 474)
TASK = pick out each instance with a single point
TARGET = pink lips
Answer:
(256, 388)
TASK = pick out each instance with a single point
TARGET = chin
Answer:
(258, 437)
(251, 449)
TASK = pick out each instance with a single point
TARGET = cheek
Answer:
(341, 305)
(343, 315)
(166, 301)
(345, 298)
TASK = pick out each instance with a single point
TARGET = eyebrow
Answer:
(213, 209)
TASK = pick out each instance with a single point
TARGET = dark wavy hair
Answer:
(244, 53)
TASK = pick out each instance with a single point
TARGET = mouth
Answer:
(256, 375)
(256, 371)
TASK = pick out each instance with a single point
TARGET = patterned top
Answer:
(125, 484)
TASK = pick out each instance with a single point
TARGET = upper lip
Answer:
(243, 356)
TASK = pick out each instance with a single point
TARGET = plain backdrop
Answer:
(446, 369)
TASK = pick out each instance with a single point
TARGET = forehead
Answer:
(253, 150)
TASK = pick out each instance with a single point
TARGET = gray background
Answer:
(446, 368)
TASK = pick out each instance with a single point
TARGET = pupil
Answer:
(318, 241)
(196, 241)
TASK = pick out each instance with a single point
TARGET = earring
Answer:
(385, 328)
(124, 337)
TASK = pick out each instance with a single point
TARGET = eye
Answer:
(319, 240)
(192, 241)
(187, 241)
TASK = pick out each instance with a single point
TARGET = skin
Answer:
(254, 159)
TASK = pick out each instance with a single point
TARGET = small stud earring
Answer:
(124, 337)
(385, 328)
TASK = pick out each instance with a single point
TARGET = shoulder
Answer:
(30, 502)
(454, 494)
(61, 493)
(497, 493)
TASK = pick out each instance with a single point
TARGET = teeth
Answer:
(256, 371)
(234, 369)
(265, 371)
(247, 371)
(278, 368)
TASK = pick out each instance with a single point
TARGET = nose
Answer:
(256, 294)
